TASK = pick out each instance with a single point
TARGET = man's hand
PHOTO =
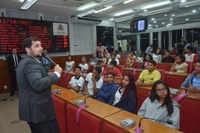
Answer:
(93, 79)
(58, 69)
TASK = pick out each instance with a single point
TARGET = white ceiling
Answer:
(68, 8)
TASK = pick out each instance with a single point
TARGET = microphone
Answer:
(84, 105)
(49, 59)
(139, 129)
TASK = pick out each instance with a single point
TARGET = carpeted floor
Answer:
(9, 120)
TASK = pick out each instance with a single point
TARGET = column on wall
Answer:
(138, 43)
(170, 39)
(71, 38)
(159, 39)
(151, 38)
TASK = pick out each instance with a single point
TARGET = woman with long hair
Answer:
(157, 57)
(160, 107)
(125, 97)
(145, 63)
(69, 64)
(180, 65)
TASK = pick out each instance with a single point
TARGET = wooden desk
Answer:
(177, 74)
(65, 93)
(96, 107)
(147, 125)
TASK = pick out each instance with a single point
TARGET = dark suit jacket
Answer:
(35, 99)
(127, 102)
(11, 62)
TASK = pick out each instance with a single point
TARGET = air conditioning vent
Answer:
(85, 20)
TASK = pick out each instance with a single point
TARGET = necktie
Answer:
(15, 60)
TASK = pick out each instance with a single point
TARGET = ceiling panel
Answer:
(68, 8)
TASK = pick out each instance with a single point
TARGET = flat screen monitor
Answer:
(138, 25)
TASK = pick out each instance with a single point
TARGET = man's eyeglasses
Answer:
(161, 90)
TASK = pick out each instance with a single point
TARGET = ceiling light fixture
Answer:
(103, 9)
(145, 10)
(172, 15)
(189, 4)
(194, 11)
(21, 1)
(128, 1)
(112, 3)
(86, 6)
(27, 4)
(163, 22)
(123, 12)
(153, 19)
(124, 18)
(163, 10)
(187, 19)
(86, 13)
(182, 1)
(157, 4)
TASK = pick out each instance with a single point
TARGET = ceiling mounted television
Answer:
(138, 25)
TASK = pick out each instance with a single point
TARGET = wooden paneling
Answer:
(76, 58)
(5, 78)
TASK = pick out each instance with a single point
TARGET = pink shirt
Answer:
(101, 48)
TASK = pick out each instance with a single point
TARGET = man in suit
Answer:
(34, 83)
(13, 60)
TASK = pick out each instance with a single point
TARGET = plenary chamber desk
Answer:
(189, 108)
(98, 117)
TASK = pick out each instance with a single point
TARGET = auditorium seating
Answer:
(90, 68)
(127, 71)
(174, 81)
(61, 114)
(190, 66)
(64, 79)
(108, 128)
(137, 64)
(88, 123)
(164, 66)
(120, 67)
(190, 114)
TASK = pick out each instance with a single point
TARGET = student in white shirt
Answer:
(157, 57)
(84, 65)
(93, 82)
(113, 57)
(69, 65)
(77, 81)
(189, 56)
(117, 54)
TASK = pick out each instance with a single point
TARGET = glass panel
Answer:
(105, 35)
(165, 40)
(144, 41)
